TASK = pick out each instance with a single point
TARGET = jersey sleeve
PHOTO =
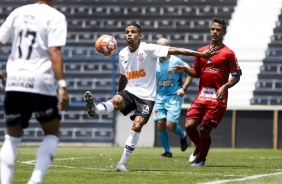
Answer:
(233, 65)
(57, 31)
(5, 29)
(157, 50)
(121, 69)
(197, 65)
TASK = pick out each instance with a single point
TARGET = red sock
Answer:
(195, 137)
(205, 143)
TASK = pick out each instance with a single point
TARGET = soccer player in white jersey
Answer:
(170, 92)
(34, 68)
(137, 84)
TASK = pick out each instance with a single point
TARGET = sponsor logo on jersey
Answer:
(208, 94)
(211, 70)
(20, 81)
(135, 74)
(165, 83)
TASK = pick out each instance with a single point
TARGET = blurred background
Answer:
(254, 33)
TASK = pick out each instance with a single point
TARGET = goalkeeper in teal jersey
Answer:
(170, 92)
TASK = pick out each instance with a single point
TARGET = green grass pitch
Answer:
(96, 165)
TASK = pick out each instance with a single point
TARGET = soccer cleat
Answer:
(199, 163)
(166, 154)
(90, 104)
(32, 182)
(183, 143)
(121, 168)
(194, 156)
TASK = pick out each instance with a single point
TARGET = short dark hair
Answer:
(220, 21)
(135, 25)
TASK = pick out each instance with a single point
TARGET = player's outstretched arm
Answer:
(187, 52)
(188, 70)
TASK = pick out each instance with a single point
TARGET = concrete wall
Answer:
(123, 128)
(244, 127)
(253, 127)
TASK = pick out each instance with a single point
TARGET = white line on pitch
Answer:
(32, 162)
(243, 179)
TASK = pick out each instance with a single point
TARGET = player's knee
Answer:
(171, 126)
(161, 126)
(138, 123)
(189, 129)
(205, 131)
(51, 127)
(136, 128)
(190, 126)
(118, 102)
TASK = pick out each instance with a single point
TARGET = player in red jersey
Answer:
(210, 104)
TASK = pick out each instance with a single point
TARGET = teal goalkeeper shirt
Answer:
(169, 82)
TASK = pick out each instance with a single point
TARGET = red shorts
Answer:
(209, 115)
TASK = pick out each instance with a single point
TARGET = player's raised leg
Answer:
(90, 104)
(102, 108)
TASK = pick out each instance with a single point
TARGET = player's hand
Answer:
(220, 93)
(211, 52)
(180, 92)
(178, 68)
(63, 103)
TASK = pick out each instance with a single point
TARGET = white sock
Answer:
(104, 107)
(130, 145)
(8, 157)
(45, 154)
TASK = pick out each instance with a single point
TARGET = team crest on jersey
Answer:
(140, 57)
(209, 63)
(169, 73)
(146, 109)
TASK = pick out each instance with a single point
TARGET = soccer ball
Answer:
(106, 45)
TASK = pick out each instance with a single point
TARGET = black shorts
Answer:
(141, 107)
(19, 107)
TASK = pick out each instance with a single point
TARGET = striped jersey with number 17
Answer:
(32, 29)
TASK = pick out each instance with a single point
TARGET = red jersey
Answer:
(214, 73)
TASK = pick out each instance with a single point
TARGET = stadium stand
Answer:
(185, 23)
(268, 88)
(249, 40)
